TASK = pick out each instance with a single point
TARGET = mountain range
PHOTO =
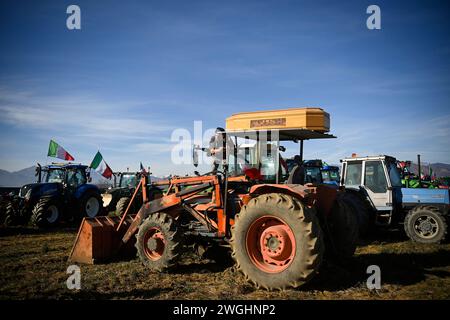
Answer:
(440, 169)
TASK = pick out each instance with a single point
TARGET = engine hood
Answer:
(24, 189)
(40, 189)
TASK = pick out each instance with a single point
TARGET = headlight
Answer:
(28, 195)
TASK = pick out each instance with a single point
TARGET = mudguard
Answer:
(321, 196)
(439, 198)
(81, 190)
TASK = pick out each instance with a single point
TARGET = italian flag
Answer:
(100, 166)
(56, 151)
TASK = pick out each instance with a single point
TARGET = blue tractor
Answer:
(315, 171)
(61, 193)
(375, 186)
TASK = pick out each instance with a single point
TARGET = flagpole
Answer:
(46, 161)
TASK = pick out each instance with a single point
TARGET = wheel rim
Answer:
(426, 227)
(52, 214)
(270, 244)
(154, 244)
(92, 207)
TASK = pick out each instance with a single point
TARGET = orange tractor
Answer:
(278, 232)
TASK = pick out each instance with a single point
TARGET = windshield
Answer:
(394, 175)
(75, 178)
(268, 161)
(128, 180)
(330, 175)
(353, 173)
(245, 159)
(313, 175)
(55, 175)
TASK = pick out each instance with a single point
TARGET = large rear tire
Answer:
(12, 215)
(344, 231)
(277, 242)
(158, 242)
(425, 224)
(3, 205)
(360, 208)
(46, 213)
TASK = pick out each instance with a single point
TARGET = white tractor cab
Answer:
(377, 182)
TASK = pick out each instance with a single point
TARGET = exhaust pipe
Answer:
(420, 169)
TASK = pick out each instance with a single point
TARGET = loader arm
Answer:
(161, 204)
(100, 239)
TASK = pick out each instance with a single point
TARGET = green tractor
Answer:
(117, 198)
(412, 180)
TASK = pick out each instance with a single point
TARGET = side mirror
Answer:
(38, 172)
(282, 148)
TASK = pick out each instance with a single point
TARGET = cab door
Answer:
(377, 185)
(352, 174)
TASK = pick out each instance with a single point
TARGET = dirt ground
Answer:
(33, 265)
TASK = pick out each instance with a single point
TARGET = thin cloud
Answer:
(78, 116)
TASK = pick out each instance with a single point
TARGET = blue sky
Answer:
(137, 70)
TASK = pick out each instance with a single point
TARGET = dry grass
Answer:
(33, 265)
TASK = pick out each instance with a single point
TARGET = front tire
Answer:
(91, 204)
(158, 242)
(425, 224)
(46, 213)
(122, 205)
(277, 242)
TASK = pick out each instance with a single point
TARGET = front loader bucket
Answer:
(99, 241)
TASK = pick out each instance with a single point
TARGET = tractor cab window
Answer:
(55, 175)
(330, 176)
(353, 173)
(128, 180)
(244, 158)
(374, 177)
(313, 175)
(75, 178)
(268, 161)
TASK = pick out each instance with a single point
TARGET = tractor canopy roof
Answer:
(292, 124)
(369, 158)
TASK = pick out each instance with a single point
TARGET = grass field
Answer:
(33, 265)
